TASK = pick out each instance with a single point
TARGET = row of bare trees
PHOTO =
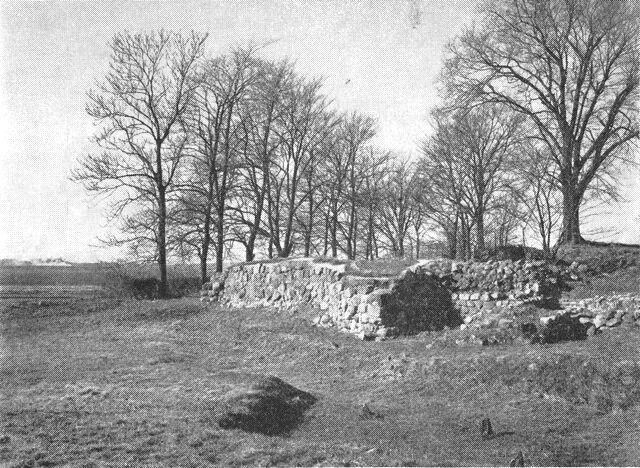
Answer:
(208, 157)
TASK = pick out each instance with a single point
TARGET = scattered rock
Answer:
(563, 327)
(88, 391)
(546, 320)
(486, 429)
(518, 460)
(367, 413)
(505, 323)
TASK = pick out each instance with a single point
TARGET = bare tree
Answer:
(466, 167)
(216, 139)
(262, 112)
(357, 130)
(486, 138)
(537, 191)
(302, 128)
(398, 203)
(440, 177)
(571, 67)
(140, 108)
(372, 195)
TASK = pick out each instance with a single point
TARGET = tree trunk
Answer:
(401, 245)
(162, 242)
(206, 238)
(162, 224)
(257, 219)
(204, 254)
(480, 245)
(326, 233)
(376, 249)
(307, 237)
(334, 231)
(220, 239)
(351, 231)
(203, 269)
(452, 239)
(570, 215)
(369, 246)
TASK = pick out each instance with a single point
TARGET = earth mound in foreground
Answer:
(269, 406)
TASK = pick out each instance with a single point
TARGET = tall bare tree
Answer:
(216, 142)
(262, 113)
(140, 108)
(571, 67)
(466, 167)
(538, 192)
(302, 128)
(397, 209)
(374, 165)
(487, 139)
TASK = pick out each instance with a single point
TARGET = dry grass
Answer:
(95, 274)
(111, 383)
(622, 281)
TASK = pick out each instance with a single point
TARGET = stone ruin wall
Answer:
(604, 312)
(429, 295)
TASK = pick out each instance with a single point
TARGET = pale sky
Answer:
(52, 52)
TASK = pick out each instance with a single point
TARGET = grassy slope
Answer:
(137, 382)
(613, 269)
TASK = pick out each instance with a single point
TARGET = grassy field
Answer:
(107, 383)
(95, 274)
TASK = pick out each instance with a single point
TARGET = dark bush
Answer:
(137, 281)
(514, 252)
(184, 285)
(562, 328)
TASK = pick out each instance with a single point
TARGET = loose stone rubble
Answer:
(605, 312)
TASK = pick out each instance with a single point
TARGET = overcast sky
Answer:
(378, 57)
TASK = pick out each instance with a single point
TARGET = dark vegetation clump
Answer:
(514, 252)
(418, 292)
(133, 281)
(562, 328)
(270, 406)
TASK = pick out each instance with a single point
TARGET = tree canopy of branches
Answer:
(466, 170)
(571, 67)
(214, 126)
(140, 107)
(201, 156)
